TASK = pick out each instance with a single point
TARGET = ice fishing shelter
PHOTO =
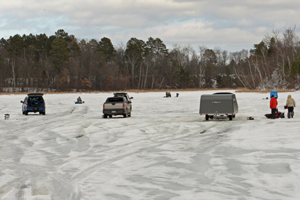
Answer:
(274, 93)
(218, 104)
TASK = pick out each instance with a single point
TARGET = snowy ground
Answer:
(166, 150)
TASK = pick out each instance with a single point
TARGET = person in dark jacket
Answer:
(273, 106)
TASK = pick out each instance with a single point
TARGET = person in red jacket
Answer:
(273, 106)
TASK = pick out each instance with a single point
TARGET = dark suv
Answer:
(34, 102)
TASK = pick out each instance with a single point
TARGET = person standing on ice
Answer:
(273, 106)
(290, 103)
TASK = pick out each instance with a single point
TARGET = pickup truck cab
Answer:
(124, 94)
(116, 106)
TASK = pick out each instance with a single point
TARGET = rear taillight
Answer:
(44, 104)
(26, 104)
(123, 105)
(103, 105)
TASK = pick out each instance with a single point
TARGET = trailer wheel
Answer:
(105, 116)
(230, 117)
(206, 117)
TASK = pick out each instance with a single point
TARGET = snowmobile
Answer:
(79, 101)
(277, 115)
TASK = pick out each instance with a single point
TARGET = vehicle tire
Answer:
(26, 113)
(206, 117)
(233, 116)
(129, 115)
(110, 116)
(230, 117)
(105, 116)
(125, 114)
(44, 113)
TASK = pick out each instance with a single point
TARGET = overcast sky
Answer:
(229, 24)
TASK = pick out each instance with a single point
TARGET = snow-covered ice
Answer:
(166, 150)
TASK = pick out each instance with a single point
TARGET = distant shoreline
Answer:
(237, 90)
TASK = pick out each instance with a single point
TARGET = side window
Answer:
(25, 99)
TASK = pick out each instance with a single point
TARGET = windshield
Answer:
(115, 99)
(36, 98)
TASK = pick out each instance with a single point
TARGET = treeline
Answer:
(63, 63)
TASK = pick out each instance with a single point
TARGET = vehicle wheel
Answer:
(230, 117)
(206, 117)
(26, 113)
(105, 116)
(44, 113)
(110, 116)
(233, 116)
(129, 115)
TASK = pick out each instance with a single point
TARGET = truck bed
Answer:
(116, 106)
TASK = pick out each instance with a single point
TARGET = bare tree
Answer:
(202, 50)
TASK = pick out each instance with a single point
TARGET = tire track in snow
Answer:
(161, 141)
(7, 187)
(156, 139)
(39, 126)
(209, 142)
(164, 138)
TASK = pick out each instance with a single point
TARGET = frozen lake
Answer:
(166, 150)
